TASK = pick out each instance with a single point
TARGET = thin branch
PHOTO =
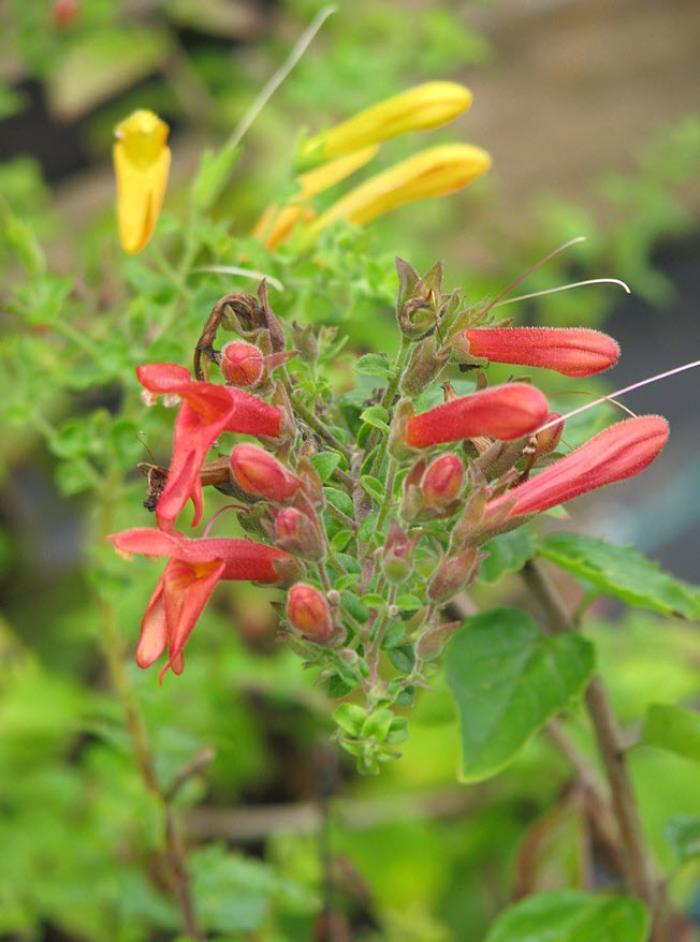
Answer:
(639, 871)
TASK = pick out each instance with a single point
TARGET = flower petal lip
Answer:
(504, 412)
(206, 412)
(193, 570)
(436, 171)
(243, 559)
(141, 165)
(573, 351)
(420, 108)
(618, 452)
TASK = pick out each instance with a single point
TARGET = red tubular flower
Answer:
(193, 570)
(573, 351)
(502, 412)
(260, 473)
(207, 411)
(618, 452)
(443, 480)
(309, 613)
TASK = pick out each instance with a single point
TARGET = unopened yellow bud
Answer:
(433, 172)
(141, 164)
(327, 175)
(276, 225)
(418, 109)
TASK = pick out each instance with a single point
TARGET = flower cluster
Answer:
(371, 515)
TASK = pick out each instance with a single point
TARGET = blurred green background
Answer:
(587, 108)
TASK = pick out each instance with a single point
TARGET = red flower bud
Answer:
(573, 351)
(296, 533)
(618, 452)
(309, 613)
(443, 480)
(242, 363)
(260, 473)
(503, 412)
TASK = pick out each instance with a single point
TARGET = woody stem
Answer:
(174, 854)
(639, 871)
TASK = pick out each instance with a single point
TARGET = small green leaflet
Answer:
(373, 364)
(325, 463)
(377, 417)
(672, 728)
(572, 916)
(508, 680)
(623, 572)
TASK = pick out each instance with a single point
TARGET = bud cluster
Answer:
(371, 525)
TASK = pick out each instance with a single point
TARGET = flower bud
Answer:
(432, 642)
(242, 364)
(454, 573)
(425, 364)
(309, 612)
(296, 533)
(306, 341)
(443, 480)
(257, 472)
(397, 556)
(503, 412)
(572, 351)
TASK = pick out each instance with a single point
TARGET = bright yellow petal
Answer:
(433, 172)
(141, 164)
(420, 108)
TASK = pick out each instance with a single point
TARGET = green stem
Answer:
(386, 402)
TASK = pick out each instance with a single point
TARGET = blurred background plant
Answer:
(275, 823)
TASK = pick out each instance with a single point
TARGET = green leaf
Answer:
(508, 680)
(507, 553)
(325, 463)
(674, 729)
(682, 831)
(377, 417)
(373, 487)
(350, 718)
(623, 572)
(373, 364)
(212, 176)
(572, 916)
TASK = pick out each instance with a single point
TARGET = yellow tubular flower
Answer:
(418, 109)
(276, 225)
(141, 164)
(433, 172)
(327, 175)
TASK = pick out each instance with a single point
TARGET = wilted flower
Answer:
(141, 164)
